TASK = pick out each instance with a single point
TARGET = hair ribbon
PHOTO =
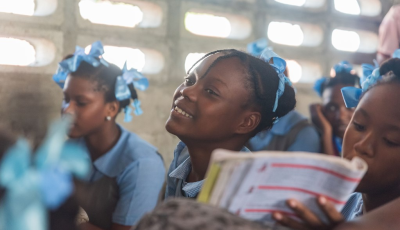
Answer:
(122, 92)
(371, 76)
(32, 187)
(352, 95)
(318, 85)
(257, 47)
(343, 67)
(279, 65)
(94, 58)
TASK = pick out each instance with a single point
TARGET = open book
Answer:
(255, 185)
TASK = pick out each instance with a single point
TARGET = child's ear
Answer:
(249, 123)
(112, 109)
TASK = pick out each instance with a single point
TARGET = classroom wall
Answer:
(29, 99)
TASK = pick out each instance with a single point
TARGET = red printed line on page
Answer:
(301, 190)
(278, 165)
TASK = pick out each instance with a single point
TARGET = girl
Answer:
(128, 173)
(227, 97)
(332, 116)
(373, 135)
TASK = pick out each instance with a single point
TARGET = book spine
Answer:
(208, 186)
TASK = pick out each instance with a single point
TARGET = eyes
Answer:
(333, 108)
(79, 102)
(361, 128)
(191, 80)
(358, 127)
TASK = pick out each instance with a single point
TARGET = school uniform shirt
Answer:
(178, 172)
(138, 172)
(353, 207)
(306, 140)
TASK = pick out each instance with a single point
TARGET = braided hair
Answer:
(105, 77)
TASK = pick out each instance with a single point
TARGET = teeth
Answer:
(179, 110)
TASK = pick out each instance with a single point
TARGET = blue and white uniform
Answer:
(139, 173)
(307, 139)
(178, 172)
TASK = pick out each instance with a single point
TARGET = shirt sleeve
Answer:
(139, 189)
(307, 140)
(389, 32)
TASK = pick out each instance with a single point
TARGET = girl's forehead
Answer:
(223, 67)
(206, 62)
(80, 85)
(381, 102)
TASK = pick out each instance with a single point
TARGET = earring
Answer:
(108, 118)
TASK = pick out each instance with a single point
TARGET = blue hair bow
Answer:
(256, 48)
(318, 85)
(352, 95)
(343, 67)
(122, 91)
(367, 70)
(32, 187)
(72, 64)
(279, 65)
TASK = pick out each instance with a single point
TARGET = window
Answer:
(303, 3)
(292, 2)
(354, 41)
(144, 60)
(345, 40)
(191, 59)
(207, 25)
(347, 6)
(138, 14)
(300, 71)
(359, 7)
(28, 7)
(16, 52)
(286, 33)
(212, 25)
(22, 7)
(294, 70)
(110, 13)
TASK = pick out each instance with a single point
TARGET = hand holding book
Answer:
(254, 186)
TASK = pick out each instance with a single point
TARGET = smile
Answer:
(179, 110)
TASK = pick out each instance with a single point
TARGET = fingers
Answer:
(305, 214)
(330, 211)
(288, 222)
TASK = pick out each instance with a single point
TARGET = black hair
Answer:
(105, 77)
(262, 81)
(390, 69)
(390, 65)
(341, 78)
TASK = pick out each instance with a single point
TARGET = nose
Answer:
(67, 108)
(365, 146)
(189, 93)
(344, 115)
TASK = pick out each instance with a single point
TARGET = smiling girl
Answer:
(227, 97)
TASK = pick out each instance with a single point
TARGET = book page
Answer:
(270, 181)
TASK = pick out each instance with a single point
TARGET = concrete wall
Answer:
(29, 99)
